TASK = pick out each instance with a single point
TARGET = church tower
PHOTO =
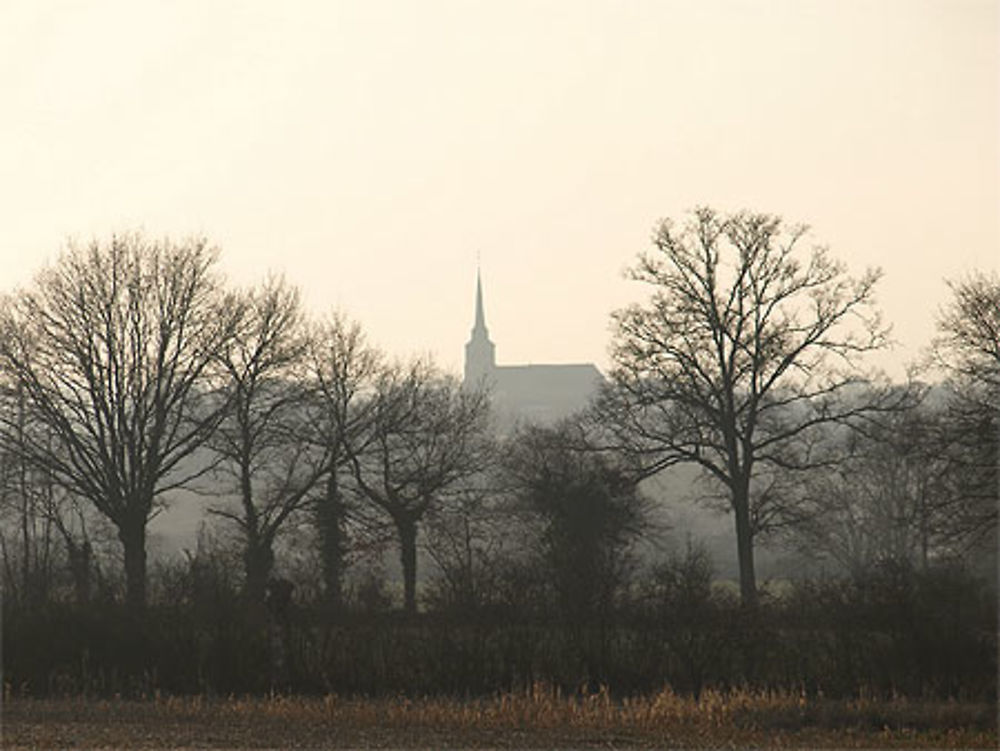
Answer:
(480, 352)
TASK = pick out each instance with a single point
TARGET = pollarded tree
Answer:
(741, 353)
(114, 348)
(426, 437)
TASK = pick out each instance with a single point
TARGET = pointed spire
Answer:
(480, 324)
(480, 352)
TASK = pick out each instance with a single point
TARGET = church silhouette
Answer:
(541, 394)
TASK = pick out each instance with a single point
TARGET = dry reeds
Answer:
(540, 715)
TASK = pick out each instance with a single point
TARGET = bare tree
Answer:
(342, 369)
(741, 353)
(427, 437)
(968, 344)
(967, 349)
(263, 442)
(113, 348)
(891, 499)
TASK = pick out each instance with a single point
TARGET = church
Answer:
(542, 394)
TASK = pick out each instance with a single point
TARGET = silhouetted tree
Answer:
(263, 443)
(741, 353)
(113, 347)
(342, 369)
(588, 509)
(968, 345)
(427, 437)
(968, 350)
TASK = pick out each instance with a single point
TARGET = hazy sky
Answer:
(370, 150)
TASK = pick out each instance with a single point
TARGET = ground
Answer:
(535, 720)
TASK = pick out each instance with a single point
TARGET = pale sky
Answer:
(372, 150)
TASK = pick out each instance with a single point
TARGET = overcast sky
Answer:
(372, 150)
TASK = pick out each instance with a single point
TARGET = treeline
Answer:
(130, 369)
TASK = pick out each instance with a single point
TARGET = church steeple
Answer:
(480, 324)
(480, 352)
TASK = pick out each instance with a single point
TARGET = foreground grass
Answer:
(539, 718)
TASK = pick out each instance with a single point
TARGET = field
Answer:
(539, 718)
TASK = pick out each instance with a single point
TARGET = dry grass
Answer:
(537, 718)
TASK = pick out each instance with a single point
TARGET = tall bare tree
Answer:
(263, 441)
(428, 435)
(113, 347)
(741, 352)
(343, 370)
(967, 349)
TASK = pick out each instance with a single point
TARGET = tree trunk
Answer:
(329, 518)
(258, 561)
(744, 546)
(407, 530)
(79, 564)
(22, 481)
(133, 539)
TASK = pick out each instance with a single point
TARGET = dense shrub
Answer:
(898, 632)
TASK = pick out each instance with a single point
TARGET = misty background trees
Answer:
(339, 484)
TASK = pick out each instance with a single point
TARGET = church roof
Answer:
(545, 392)
(538, 393)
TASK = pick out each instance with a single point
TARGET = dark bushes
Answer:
(899, 632)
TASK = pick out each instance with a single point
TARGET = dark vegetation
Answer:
(528, 556)
(898, 632)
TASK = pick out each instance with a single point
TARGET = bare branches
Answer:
(742, 352)
(968, 350)
(264, 445)
(113, 348)
(427, 436)
(968, 346)
(897, 497)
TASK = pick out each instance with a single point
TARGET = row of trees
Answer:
(130, 369)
